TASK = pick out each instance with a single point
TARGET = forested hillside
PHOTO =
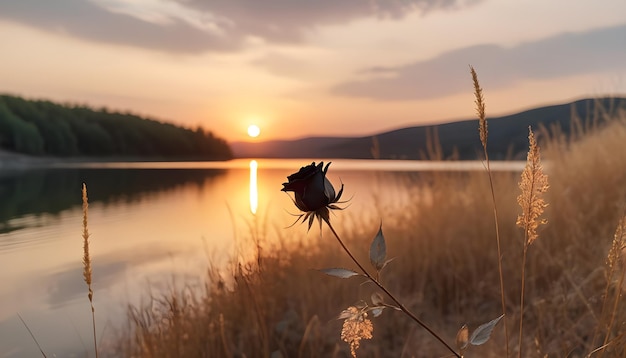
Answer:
(47, 128)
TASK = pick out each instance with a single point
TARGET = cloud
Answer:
(194, 26)
(87, 20)
(284, 65)
(558, 56)
(289, 20)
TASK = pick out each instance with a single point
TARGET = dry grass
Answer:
(483, 134)
(446, 271)
(87, 271)
(533, 186)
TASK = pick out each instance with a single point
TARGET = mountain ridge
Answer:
(508, 136)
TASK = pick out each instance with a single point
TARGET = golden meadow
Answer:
(466, 249)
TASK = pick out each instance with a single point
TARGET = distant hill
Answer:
(508, 136)
(44, 128)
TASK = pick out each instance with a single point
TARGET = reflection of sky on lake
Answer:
(142, 241)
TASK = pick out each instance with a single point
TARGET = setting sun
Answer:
(254, 130)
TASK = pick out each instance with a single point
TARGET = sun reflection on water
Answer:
(254, 193)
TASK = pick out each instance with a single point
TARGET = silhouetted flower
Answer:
(313, 192)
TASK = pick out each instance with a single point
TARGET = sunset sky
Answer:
(311, 67)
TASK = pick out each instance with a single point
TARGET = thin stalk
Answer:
(615, 253)
(225, 345)
(495, 217)
(533, 183)
(32, 336)
(521, 304)
(393, 298)
(602, 311)
(87, 270)
(483, 132)
(93, 326)
(615, 303)
(523, 285)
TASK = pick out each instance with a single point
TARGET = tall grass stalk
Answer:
(483, 131)
(32, 336)
(384, 289)
(87, 266)
(616, 254)
(534, 184)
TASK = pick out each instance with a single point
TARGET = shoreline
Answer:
(13, 160)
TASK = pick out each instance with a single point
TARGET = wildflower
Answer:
(356, 326)
(313, 192)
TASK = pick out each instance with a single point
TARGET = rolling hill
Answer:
(508, 136)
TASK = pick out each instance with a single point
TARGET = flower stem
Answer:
(377, 283)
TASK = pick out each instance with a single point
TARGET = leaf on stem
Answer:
(378, 250)
(483, 332)
(339, 272)
(377, 299)
(377, 311)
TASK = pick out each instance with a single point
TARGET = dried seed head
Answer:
(533, 184)
(356, 327)
(618, 245)
(86, 256)
(480, 109)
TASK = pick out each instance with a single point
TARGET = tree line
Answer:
(47, 128)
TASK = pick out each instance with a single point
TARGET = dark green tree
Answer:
(18, 135)
(44, 127)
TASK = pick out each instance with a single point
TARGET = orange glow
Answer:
(294, 89)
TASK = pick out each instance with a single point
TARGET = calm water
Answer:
(151, 224)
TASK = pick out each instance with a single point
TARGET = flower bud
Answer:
(313, 192)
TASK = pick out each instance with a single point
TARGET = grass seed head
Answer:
(480, 108)
(356, 327)
(533, 184)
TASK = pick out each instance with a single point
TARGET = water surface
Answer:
(152, 225)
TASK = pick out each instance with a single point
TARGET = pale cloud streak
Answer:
(290, 20)
(195, 26)
(596, 51)
(92, 22)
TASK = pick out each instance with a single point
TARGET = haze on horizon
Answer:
(300, 68)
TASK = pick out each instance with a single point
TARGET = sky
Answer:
(300, 68)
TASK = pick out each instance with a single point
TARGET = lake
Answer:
(152, 226)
